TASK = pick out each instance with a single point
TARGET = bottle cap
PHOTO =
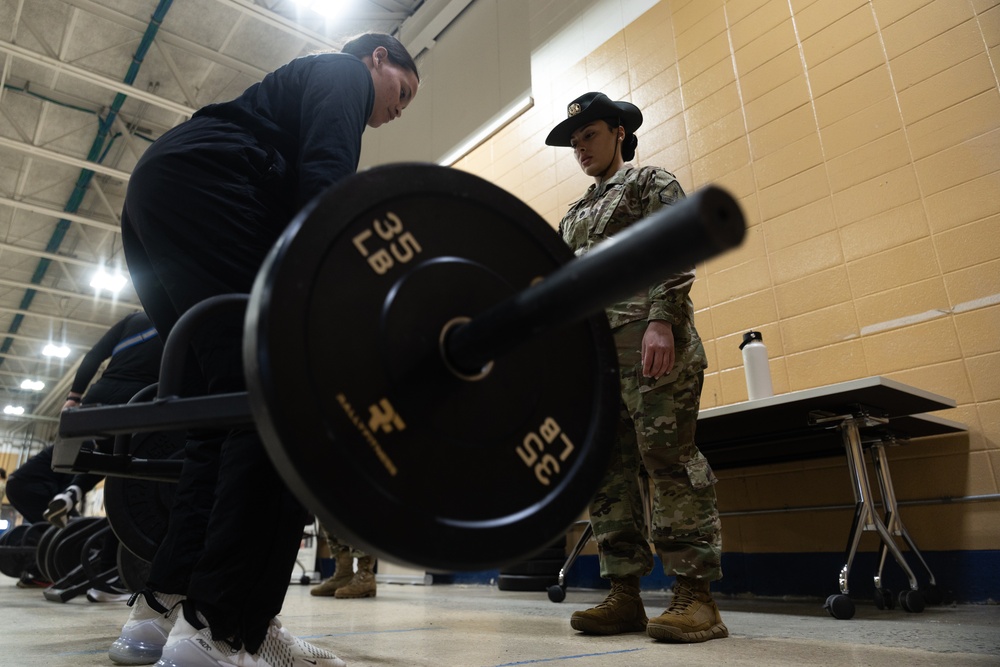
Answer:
(751, 336)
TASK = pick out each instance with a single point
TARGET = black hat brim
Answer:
(628, 114)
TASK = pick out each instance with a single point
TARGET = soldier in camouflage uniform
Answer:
(345, 582)
(662, 364)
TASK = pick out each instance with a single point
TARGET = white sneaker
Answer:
(190, 646)
(147, 628)
(62, 505)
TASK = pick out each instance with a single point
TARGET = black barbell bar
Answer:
(672, 239)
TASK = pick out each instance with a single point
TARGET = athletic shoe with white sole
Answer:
(144, 634)
(63, 506)
(190, 644)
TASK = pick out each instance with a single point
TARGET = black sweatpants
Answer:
(34, 483)
(200, 216)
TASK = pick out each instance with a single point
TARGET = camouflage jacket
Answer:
(627, 197)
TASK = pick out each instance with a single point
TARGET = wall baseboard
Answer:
(963, 577)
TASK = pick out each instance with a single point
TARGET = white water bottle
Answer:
(755, 366)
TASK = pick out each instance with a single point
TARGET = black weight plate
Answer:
(32, 539)
(42, 552)
(360, 413)
(12, 563)
(138, 509)
(66, 546)
(13, 535)
(34, 533)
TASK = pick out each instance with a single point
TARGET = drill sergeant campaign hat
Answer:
(590, 107)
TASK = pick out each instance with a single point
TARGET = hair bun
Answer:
(628, 147)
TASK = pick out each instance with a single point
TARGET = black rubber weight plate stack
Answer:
(139, 509)
(363, 418)
(12, 560)
(65, 548)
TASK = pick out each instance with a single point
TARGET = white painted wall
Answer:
(488, 58)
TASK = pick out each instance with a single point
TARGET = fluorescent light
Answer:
(51, 350)
(13, 410)
(492, 127)
(105, 281)
(34, 385)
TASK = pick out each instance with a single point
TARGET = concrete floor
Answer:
(480, 626)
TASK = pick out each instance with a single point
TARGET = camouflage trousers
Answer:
(338, 548)
(656, 432)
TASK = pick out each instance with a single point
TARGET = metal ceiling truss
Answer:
(60, 203)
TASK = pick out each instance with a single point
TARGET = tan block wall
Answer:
(862, 138)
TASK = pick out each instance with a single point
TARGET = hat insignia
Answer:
(573, 109)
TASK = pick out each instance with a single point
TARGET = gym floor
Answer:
(481, 626)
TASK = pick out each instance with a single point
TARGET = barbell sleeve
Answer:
(672, 239)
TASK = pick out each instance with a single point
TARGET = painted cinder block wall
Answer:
(862, 138)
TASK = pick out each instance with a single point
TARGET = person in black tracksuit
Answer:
(134, 350)
(205, 203)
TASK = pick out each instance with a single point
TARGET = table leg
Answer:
(865, 517)
(893, 522)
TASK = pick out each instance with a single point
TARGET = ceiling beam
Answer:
(166, 37)
(96, 79)
(57, 318)
(43, 341)
(65, 293)
(34, 376)
(419, 31)
(62, 215)
(55, 257)
(279, 22)
(53, 156)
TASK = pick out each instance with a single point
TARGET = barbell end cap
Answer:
(723, 217)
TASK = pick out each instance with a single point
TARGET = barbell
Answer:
(429, 367)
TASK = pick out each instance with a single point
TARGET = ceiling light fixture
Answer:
(103, 280)
(51, 350)
(33, 385)
(13, 410)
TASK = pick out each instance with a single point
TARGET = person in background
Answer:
(345, 583)
(132, 349)
(662, 364)
(205, 204)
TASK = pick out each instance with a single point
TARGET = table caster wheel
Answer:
(840, 606)
(932, 594)
(305, 580)
(911, 601)
(557, 593)
(884, 599)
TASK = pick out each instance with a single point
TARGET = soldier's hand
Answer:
(657, 349)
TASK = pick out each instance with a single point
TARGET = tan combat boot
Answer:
(692, 615)
(363, 583)
(343, 572)
(621, 611)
